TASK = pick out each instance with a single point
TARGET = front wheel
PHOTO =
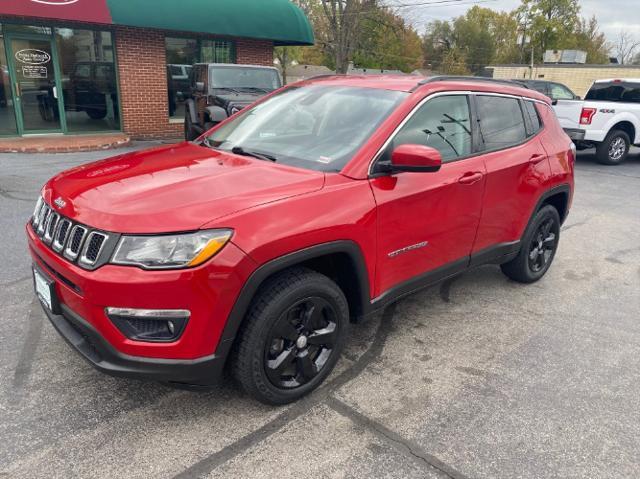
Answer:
(614, 149)
(539, 246)
(293, 336)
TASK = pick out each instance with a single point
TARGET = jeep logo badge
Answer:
(31, 56)
(59, 202)
(55, 2)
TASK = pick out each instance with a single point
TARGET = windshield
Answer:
(314, 127)
(237, 78)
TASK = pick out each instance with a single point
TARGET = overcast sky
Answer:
(612, 15)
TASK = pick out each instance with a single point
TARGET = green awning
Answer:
(276, 20)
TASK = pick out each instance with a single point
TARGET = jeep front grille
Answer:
(78, 243)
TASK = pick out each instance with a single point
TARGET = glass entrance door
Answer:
(35, 84)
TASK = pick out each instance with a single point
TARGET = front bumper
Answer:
(100, 354)
(208, 291)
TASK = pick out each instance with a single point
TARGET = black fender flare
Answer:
(257, 278)
(190, 106)
(564, 188)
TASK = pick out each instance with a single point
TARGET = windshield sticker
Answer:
(325, 159)
(34, 71)
(31, 56)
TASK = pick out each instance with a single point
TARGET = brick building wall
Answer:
(577, 77)
(141, 60)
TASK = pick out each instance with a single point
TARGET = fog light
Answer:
(150, 325)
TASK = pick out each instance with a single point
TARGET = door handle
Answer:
(535, 159)
(18, 92)
(470, 178)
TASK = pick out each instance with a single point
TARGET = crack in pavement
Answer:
(415, 452)
(209, 463)
(7, 194)
(15, 281)
(25, 361)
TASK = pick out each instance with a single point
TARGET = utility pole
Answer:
(532, 61)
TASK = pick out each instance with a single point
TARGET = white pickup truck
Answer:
(608, 119)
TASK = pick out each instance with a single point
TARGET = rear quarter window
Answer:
(501, 122)
(535, 124)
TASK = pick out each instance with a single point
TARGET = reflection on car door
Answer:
(428, 221)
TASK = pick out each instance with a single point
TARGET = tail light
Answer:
(573, 153)
(586, 116)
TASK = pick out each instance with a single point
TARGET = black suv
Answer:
(218, 90)
(555, 91)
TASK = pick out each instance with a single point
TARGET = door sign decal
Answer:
(31, 56)
(34, 71)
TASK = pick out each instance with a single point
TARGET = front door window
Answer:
(36, 89)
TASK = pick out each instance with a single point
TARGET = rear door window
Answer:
(501, 122)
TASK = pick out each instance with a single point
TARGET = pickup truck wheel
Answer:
(189, 134)
(539, 246)
(293, 336)
(614, 149)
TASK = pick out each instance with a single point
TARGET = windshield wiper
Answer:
(238, 150)
(253, 88)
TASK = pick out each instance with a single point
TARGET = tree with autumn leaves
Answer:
(483, 36)
(372, 34)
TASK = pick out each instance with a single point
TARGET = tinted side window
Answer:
(533, 117)
(442, 123)
(501, 122)
(618, 92)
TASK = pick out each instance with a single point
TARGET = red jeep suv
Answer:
(324, 202)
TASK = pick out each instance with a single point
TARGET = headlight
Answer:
(170, 251)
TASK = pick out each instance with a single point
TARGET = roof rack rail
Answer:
(438, 78)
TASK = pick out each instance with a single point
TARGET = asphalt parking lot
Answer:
(477, 378)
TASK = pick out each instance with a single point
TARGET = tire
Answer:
(189, 134)
(539, 246)
(271, 362)
(96, 114)
(614, 149)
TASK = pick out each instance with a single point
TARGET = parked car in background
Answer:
(218, 90)
(608, 119)
(178, 84)
(92, 85)
(555, 91)
(320, 205)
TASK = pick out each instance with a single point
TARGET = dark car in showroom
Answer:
(218, 90)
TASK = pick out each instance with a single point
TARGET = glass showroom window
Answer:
(182, 53)
(7, 114)
(88, 78)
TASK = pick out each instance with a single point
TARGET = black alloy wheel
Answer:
(301, 342)
(538, 247)
(292, 337)
(542, 246)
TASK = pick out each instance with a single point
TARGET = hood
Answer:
(229, 100)
(172, 188)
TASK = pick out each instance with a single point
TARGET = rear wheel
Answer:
(293, 336)
(539, 246)
(614, 149)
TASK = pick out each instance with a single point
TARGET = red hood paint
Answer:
(172, 188)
